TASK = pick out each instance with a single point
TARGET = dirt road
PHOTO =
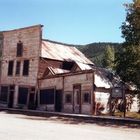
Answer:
(22, 127)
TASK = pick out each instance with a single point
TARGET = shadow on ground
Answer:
(70, 119)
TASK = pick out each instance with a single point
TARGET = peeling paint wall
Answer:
(86, 81)
(66, 84)
(134, 107)
(102, 102)
(52, 82)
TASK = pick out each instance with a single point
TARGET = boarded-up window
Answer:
(47, 96)
(86, 97)
(68, 98)
(22, 95)
(26, 68)
(18, 68)
(10, 68)
(19, 49)
(4, 93)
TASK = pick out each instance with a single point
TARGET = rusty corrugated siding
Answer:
(62, 52)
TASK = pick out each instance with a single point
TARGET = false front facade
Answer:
(50, 76)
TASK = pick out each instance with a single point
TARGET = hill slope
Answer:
(95, 51)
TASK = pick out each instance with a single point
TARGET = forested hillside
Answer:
(96, 51)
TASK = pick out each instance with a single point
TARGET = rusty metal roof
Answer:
(57, 70)
(62, 52)
(83, 66)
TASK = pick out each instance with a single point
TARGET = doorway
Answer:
(31, 103)
(58, 100)
(11, 96)
(77, 98)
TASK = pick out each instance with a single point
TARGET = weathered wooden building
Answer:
(48, 75)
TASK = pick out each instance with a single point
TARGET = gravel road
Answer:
(23, 127)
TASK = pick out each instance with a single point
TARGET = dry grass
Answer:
(134, 115)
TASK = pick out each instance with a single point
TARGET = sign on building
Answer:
(117, 92)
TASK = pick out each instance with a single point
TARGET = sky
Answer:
(67, 21)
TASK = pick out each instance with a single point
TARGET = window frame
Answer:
(18, 68)
(25, 71)
(19, 52)
(66, 94)
(49, 88)
(88, 100)
(10, 68)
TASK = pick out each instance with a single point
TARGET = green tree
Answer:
(108, 60)
(131, 26)
(128, 57)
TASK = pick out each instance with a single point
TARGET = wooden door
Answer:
(77, 98)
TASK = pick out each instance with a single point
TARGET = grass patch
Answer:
(133, 115)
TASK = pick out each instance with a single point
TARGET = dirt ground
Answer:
(23, 127)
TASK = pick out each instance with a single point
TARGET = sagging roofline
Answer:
(68, 74)
(64, 60)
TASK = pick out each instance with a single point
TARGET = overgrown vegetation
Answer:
(135, 115)
(128, 58)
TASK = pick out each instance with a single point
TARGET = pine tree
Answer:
(108, 60)
(128, 58)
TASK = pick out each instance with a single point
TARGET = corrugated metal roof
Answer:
(62, 52)
(57, 70)
(102, 79)
(83, 66)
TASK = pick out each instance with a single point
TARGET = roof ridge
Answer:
(61, 43)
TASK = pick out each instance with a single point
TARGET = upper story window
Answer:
(10, 68)
(19, 49)
(18, 68)
(26, 68)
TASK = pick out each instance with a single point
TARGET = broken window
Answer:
(18, 68)
(68, 65)
(86, 97)
(19, 49)
(4, 93)
(10, 68)
(22, 95)
(26, 67)
(47, 96)
(68, 98)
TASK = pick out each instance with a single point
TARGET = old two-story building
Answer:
(48, 75)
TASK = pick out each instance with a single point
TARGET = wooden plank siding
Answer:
(30, 38)
(65, 83)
